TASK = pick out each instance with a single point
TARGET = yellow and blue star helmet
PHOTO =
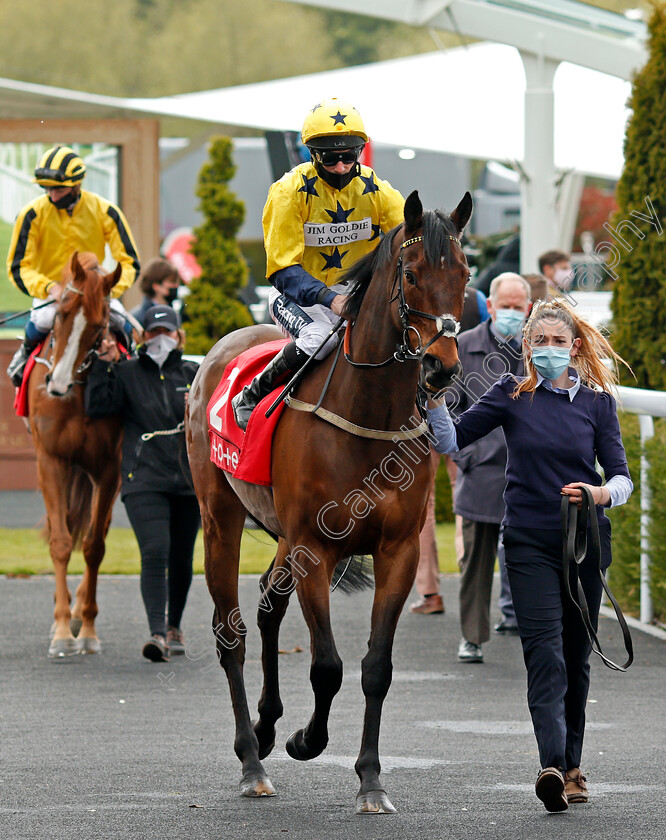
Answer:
(333, 124)
(59, 167)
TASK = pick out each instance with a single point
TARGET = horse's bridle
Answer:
(87, 360)
(447, 325)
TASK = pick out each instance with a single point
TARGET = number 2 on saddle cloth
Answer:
(246, 455)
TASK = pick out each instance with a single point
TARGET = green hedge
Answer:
(624, 575)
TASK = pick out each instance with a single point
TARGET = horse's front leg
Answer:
(84, 611)
(54, 478)
(277, 584)
(312, 573)
(394, 576)
(222, 520)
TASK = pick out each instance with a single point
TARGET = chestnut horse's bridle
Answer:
(447, 325)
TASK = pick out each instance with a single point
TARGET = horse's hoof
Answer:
(297, 748)
(59, 648)
(75, 625)
(90, 644)
(255, 787)
(374, 802)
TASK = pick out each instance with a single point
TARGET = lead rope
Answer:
(164, 432)
(574, 552)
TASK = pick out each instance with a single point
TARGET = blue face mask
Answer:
(508, 322)
(551, 362)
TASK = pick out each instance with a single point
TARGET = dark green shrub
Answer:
(213, 307)
(639, 298)
(624, 573)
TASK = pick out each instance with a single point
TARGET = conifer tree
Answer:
(639, 295)
(213, 307)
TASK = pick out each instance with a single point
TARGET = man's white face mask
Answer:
(159, 347)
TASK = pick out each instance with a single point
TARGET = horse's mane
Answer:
(92, 300)
(437, 228)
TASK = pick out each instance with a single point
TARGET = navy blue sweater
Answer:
(551, 441)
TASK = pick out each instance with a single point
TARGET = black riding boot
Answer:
(288, 361)
(18, 363)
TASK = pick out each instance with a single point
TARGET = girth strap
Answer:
(574, 552)
(352, 428)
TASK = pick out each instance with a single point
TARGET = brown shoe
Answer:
(550, 789)
(575, 787)
(428, 605)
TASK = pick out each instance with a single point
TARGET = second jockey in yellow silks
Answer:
(46, 233)
(319, 219)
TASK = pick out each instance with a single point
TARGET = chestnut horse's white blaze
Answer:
(63, 373)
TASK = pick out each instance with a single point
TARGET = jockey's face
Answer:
(340, 161)
(56, 193)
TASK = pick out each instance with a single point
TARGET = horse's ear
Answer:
(461, 215)
(78, 272)
(111, 279)
(413, 212)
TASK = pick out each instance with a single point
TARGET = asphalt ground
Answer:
(113, 746)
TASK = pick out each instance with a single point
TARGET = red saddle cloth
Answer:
(21, 408)
(246, 455)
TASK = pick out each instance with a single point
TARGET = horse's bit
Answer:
(447, 325)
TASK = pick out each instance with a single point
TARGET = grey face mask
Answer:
(159, 348)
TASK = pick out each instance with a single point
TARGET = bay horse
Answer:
(340, 488)
(78, 459)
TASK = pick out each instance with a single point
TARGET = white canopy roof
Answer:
(466, 101)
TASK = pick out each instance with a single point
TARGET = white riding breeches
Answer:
(43, 318)
(307, 325)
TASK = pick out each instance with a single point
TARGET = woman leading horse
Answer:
(78, 459)
(354, 483)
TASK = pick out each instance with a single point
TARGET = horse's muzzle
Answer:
(434, 376)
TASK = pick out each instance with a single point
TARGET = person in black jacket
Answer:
(150, 392)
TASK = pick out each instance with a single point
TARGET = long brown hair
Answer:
(588, 361)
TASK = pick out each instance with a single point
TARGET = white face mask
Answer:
(159, 347)
(563, 278)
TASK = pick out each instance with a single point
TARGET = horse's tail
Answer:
(353, 574)
(79, 506)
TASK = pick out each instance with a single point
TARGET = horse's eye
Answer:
(410, 277)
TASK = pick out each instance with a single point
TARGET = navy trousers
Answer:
(556, 648)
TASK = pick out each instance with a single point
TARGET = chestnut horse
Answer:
(353, 483)
(78, 459)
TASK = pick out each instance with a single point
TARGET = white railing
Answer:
(647, 405)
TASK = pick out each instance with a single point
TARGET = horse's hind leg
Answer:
(394, 575)
(222, 519)
(276, 586)
(85, 607)
(314, 581)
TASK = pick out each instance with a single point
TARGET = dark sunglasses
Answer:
(331, 158)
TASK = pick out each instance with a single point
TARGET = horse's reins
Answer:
(402, 353)
(574, 551)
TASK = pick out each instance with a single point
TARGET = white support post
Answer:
(538, 216)
(646, 426)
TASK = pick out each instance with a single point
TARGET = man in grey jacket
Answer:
(487, 352)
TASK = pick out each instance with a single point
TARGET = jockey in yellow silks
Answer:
(319, 219)
(46, 233)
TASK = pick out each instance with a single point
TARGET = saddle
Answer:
(245, 455)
